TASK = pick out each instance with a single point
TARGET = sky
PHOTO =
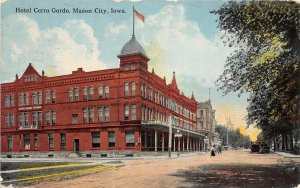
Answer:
(177, 35)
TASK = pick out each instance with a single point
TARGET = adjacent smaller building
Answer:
(206, 121)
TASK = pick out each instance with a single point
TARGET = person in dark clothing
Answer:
(212, 153)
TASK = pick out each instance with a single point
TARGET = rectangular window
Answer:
(26, 119)
(53, 118)
(111, 139)
(91, 115)
(106, 91)
(100, 114)
(47, 97)
(95, 139)
(12, 100)
(6, 120)
(129, 138)
(50, 140)
(21, 119)
(133, 112)
(74, 118)
(34, 98)
(12, 119)
(26, 141)
(76, 94)
(85, 115)
(126, 89)
(91, 93)
(70, 94)
(107, 114)
(133, 88)
(26, 98)
(39, 98)
(48, 118)
(126, 112)
(7, 101)
(10, 141)
(85, 94)
(40, 118)
(132, 66)
(35, 118)
(36, 141)
(100, 92)
(63, 140)
(53, 97)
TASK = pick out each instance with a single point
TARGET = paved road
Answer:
(230, 169)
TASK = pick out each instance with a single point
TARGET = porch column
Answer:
(188, 143)
(178, 143)
(174, 143)
(163, 142)
(145, 139)
(183, 143)
(155, 140)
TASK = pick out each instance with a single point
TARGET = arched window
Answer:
(100, 92)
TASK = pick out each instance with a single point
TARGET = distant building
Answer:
(206, 120)
(122, 109)
(229, 124)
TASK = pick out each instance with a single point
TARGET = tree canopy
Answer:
(266, 60)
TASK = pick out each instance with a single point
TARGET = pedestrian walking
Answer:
(212, 152)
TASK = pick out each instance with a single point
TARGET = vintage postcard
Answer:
(141, 93)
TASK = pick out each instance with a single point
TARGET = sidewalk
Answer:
(287, 155)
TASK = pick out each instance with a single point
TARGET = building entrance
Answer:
(76, 145)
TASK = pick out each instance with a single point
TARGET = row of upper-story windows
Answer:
(129, 89)
(159, 98)
(50, 97)
(88, 93)
(130, 112)
(131, 66)
(152, 114)
(152, 95)
(37, 118)
(36, 98)
(89, 115)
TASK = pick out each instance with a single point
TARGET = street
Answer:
(237, 168)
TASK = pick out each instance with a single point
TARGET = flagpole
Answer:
(133, 22)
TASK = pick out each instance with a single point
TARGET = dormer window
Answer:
(30, 78)
(126, 68)
(132, 67)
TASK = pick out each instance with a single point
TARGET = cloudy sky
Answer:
(180, 36)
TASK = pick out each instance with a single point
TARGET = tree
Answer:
(266, 61)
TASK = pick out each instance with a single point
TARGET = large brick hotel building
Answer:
(126, 108)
